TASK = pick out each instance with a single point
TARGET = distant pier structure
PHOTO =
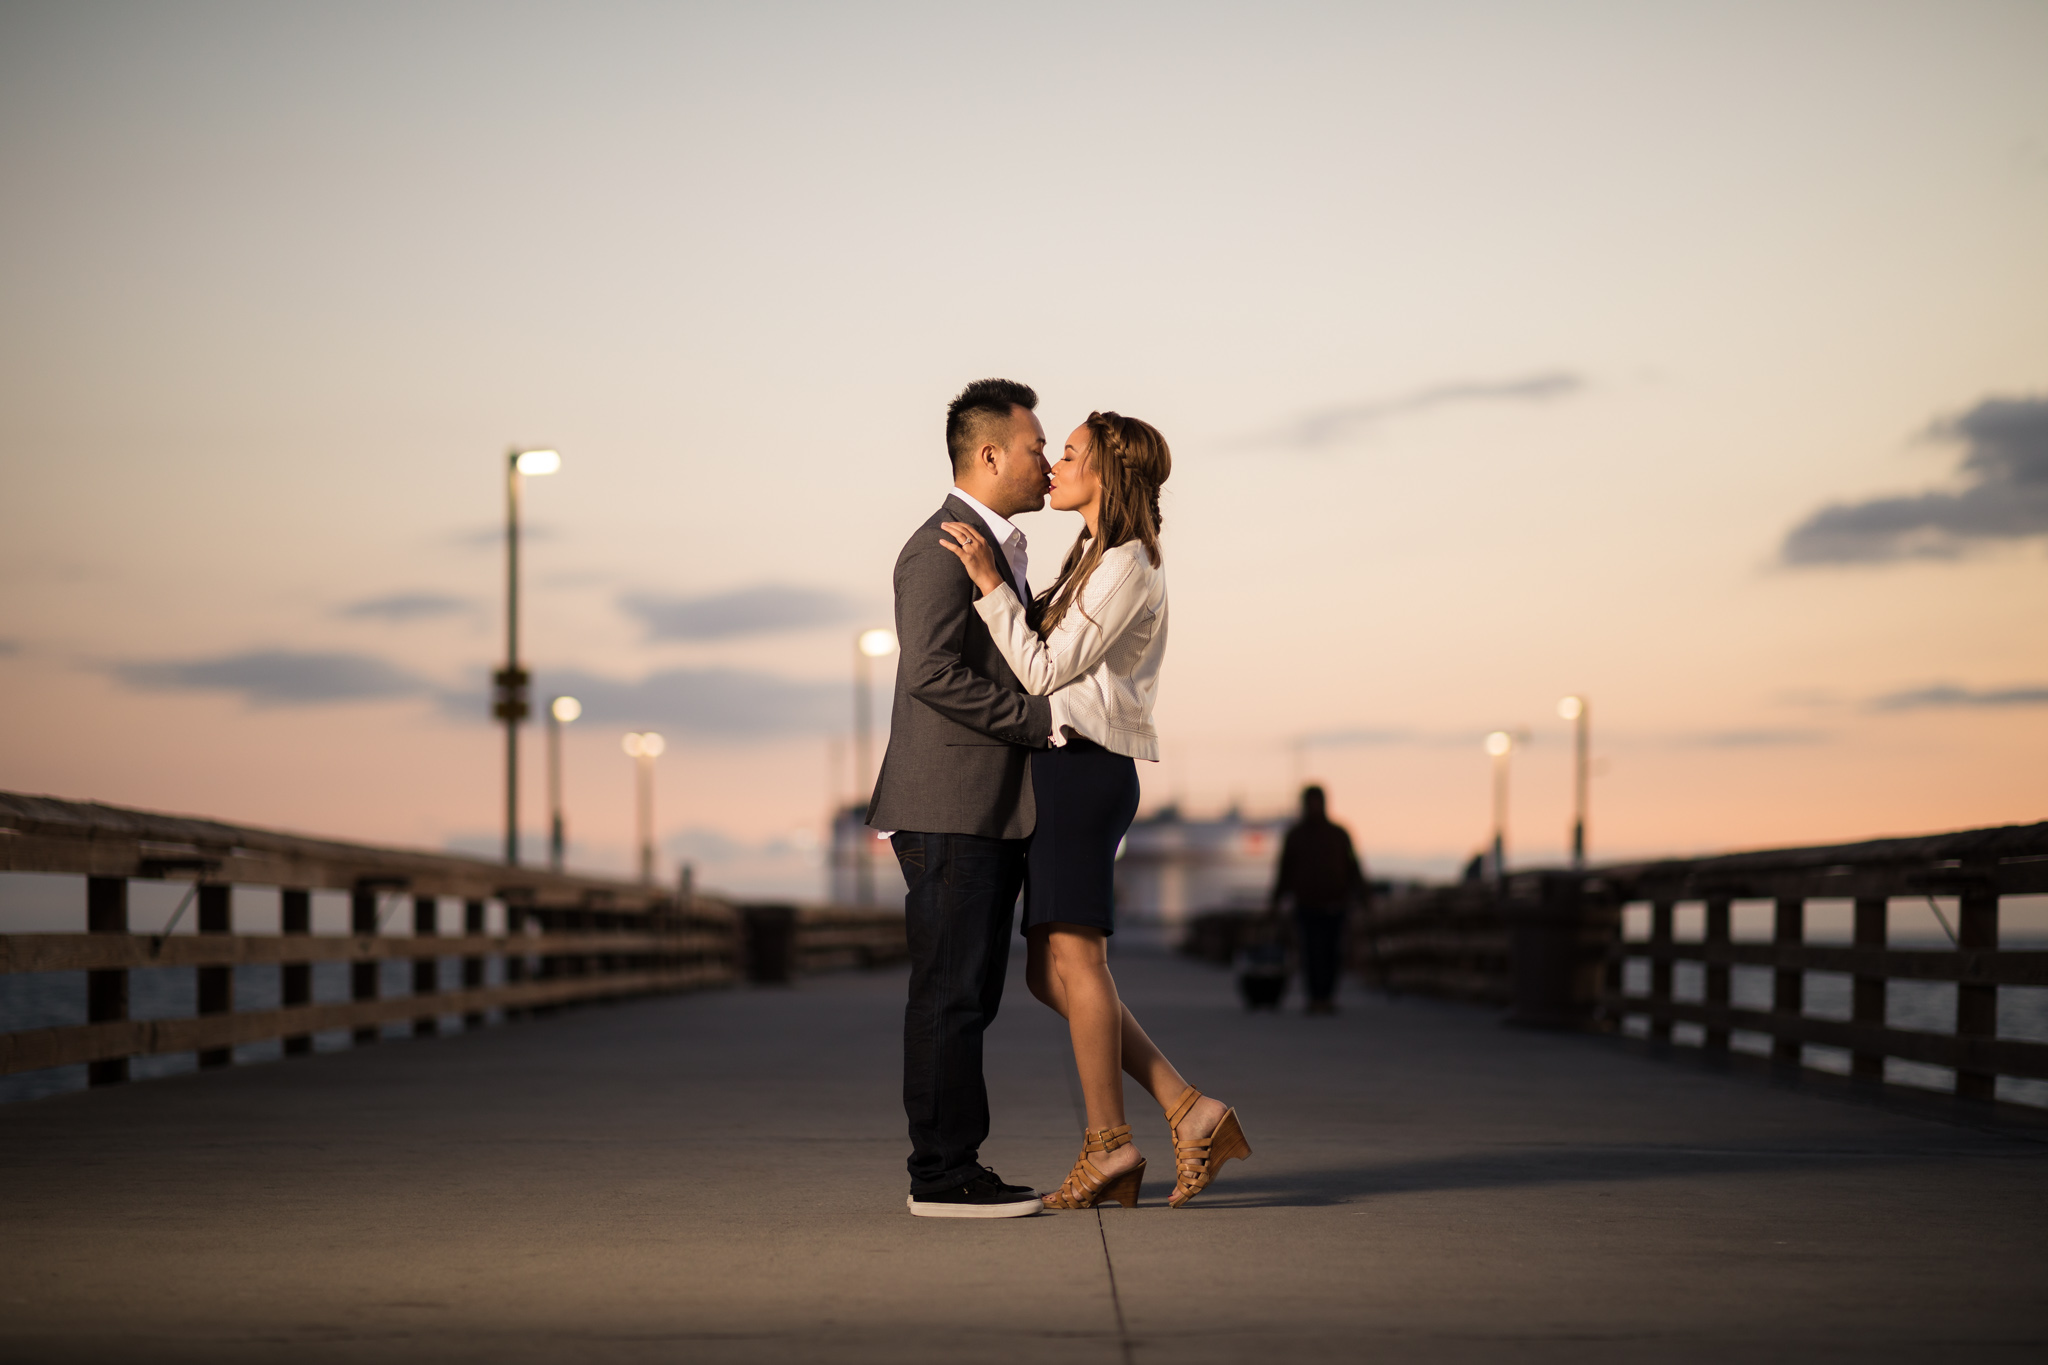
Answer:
(863, 869)
(1173, 868)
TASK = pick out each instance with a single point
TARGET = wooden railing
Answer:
(1975, 867)
(1550, 944)
(563, 939)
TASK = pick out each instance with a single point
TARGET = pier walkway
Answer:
(718, 1177)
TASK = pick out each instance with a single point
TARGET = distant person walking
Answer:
(1321, 873)
(1094, 643)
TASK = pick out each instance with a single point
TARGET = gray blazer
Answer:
(962, 727)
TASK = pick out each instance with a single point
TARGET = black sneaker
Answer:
(985, 1196)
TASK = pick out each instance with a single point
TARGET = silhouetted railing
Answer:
(1551, 945)
(1975, 867)
(562, 939)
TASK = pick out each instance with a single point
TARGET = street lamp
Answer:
(644, 747)
(561, 711)
(869, 644)
(1499, 745)
(1575, 709)
(509, 703)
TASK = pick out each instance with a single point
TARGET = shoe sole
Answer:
(1023, 1208)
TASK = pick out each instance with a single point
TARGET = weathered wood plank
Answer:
(2000, 1056)
(1999, 967)
(100, 952)
(37, 1048)
(43, 834)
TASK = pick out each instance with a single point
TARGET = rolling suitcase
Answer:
(1262, 975)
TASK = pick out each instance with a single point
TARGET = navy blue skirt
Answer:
(1086, 798)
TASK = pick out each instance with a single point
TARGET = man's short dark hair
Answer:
(980, 404)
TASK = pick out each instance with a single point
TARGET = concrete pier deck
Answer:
(718, 1177)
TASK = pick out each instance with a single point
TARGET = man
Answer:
(955, 789)
(1320, 870)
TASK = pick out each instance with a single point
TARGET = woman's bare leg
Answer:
(1068, 970)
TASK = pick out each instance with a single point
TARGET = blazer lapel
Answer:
(960, 511)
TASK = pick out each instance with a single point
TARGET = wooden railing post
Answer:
(216, 984)
(106, 992)
(1717, 935)
(363, 976)
(1661, 913)
(426, 971)
(1868, 1005)
(295, 979)
(1788, 984)
(473, 967)
(515, 961)
(1977, 1002)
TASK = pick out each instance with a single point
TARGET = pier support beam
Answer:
(295, 979)
(106, 992)
(1661, 913)
(426, 971)
(1977, 1002)
(1717, 934)
(1788, 987)
(1868, 1003)
(216, 984)
(364, 981)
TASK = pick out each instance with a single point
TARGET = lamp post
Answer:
(1576, 710)
(509, 704)
(1500, 744)
(561, 711)
(644, 747)
(869, 644)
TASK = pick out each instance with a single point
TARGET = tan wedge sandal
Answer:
(1197, 1159)
(1087, 1186)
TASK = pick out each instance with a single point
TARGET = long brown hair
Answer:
(1132, 460)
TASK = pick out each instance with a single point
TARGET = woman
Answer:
(1096, 652)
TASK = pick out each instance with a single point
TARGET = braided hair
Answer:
(1132, 461)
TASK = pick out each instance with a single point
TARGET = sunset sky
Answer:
(1693, 357)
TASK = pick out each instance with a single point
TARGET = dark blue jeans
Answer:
(958, 913)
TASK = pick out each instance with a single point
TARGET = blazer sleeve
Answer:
(1083, 635)
(933, 598)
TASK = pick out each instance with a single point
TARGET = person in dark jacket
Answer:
(1321, 873)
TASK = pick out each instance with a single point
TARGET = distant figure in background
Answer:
(1320, 872)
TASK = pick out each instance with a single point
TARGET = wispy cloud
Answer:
(8, 647)
(1947, 696)
(1749, 739)
(277, 677)
(2004, 497)
(729, 702)
(1340, 425)
(492, 536)
(401, 607)
(718, 702)
(1356, 739)
(761, 610)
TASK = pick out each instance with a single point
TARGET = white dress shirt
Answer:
(1101, 663)
(1005, 534)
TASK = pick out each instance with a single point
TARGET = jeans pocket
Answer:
(910, 855)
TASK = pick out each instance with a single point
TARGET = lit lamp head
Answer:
(876, 643)
(1571, 708)
(1499, 742)
(643, 744)
(565, 709)
(537, 461)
